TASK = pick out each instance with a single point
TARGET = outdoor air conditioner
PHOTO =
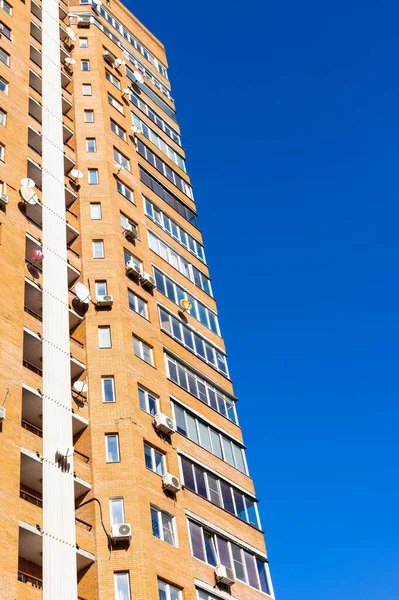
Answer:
(108, 57)
(121, 531)
(2, 413)
(224, 575)
(148, 281)
(4, 198)
(131, 232)
(170, 482)
(164, 423)
(132, 268)
(106, 300)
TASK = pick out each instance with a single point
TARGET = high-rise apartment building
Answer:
(123, 471)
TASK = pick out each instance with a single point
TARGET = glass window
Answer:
(95, 211)
(3, 86)
(83, 42)
(163, 526)
(98, 249)
(121, 159)
(118, 130)
(122, 586)
(101, 288)
(124, 190)
(93, 176)
(108, 389)
(238, 561)
(142, 350)
(5, 30)
(86, 89)
(115, 103)
(104, 336)
(89, 116)
(116, 511)
(154, 460)
(197, 544)
(4, 57)
(167, 591)
(263, 576)
(91, 145)
(210, 549)
(3, 117)
(114, 80)
(112, 448)
(148, 402)
(137, 304)
(6, 7)
(85, 65)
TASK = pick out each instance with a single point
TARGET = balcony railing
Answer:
(33, 313)
(31, 498)
(84, 456)
(26, 578)
(85, 524)
(32, 428)
(31, 367)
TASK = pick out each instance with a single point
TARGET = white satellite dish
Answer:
(138, 76)
(29, 195)
(91, 20)
(135, 129)
(118, 167)
(126, 90)
(80, 386)
(98, 3)
(126, 54)
(70, 61)
(119, 62)
(26, 182)
(77, 174)
(70, 33)
(83, 293)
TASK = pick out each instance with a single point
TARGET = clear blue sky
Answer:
(290, 119)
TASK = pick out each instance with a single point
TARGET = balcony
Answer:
(33, 304)
(35, 82)
(35, 142)
(34, 244)
(36, 10)
(34, 171)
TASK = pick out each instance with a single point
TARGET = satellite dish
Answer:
(185, 304)
(77, 174)
(70, 61)
(27, 182)
(138, 76)
(98, 3)
(70, 33)
(91, 20)
(126, 90)
(36, 255)
(83, 293)
(118, 167)
(29, 195)
(135, 129)
(126, 54)
(119, 62)
(80, 386)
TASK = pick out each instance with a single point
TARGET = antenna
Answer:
(29, 195)
(138, 77)
(28, 182)
(71, 34)
(5, 396)
(82, 293)
(81, 387)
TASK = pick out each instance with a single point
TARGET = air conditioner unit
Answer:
(132, 268)
(106, 300)
(131, 232)
(4, 198)
(170, 482)
(148, 280)
(108, 57)
(121, 531)
(2, 413)
(224, 575)
(164, 423)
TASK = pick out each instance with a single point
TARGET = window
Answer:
(137, 304)
(129, 256)
(95, 211)
(126, 223)
(93, 176)
(163, 526)
(121, 159)
(3, 117)
(113, 102)
(98, 249)
(91, 145)
(154, 460)
(3, 86)
(124, 190)
(148, 402)
(205, 596)
(6, 7)
(159, 143)
(194, 342)
(89, 116)
(104, 336)
(210, 438)
(101, 289)
(163, 193)
(163, 168)
(176, 293)
(4, 57)
(108, 388)
(86, 89)
(219, 492)
(200, 388)
(112, 447)
(112, 79)
(173, 229)
(179, 262)
(215, 549)
(143, 351)
(6, 31)
(85, 65)
(2, 152)
(167, 591)
(116, 511)
(155, 118)
(122, 586)
(83, 42)
(118, 130)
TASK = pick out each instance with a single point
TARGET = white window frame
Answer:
(5, 83)
(135, 302)
(91, 139)
(118, 130)
(107, 329)
(121, 159)
(95, 206)
(155, 139)
(114, 102)
(141, 354)
(6, 30)
(161, 454)
(6, 7)
(98, 283)
(132, 257)
(91, 172)
(6, 57)
(2, 152)
(147, 393)
(109, 435)
(3, 117)
(161, 514)
(125, 191)
(101, 246)
(88, 112)
(83, 45)
(127, 576)
(112, 79)
(167, 589)
(157, 120)
(112, 379)
(85, 61)
(87, 89)
(111, 503)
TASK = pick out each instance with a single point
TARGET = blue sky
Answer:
(289, 114)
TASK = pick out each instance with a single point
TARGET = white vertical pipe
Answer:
(59, 544)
